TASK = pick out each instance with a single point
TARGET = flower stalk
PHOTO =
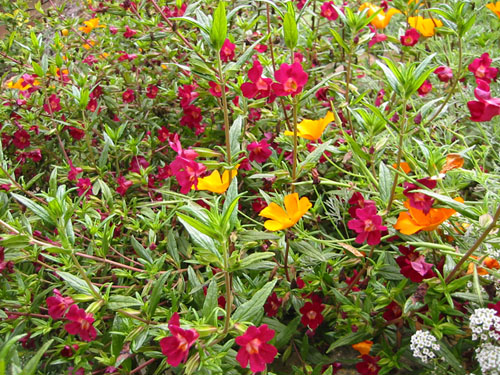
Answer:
(224, 109)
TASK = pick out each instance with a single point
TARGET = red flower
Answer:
(357, 201)
(259, 87)
(291, 78)
(21, 139)
(425, 88)
(272, 305)
(52, 105)
(73, 171)
(163, 134)
(81, 323)
(392, 311)
(227, 51)
(184, 168)
(58, 305)
(377, 38)
(92, 105)
(259, 151)
(369, 365)
(482, 69)
(413, 266)
(420, 201)
(410, 38)
(129, 33)
(486, 107)
(192, 116)
(444, 73)
(123, 185)
(187, 95)
(255, 349)
(75, 133)
(215, 89)
(380, 98)
(84, 186)
(176, 347)
(138, 163)
(328, 11)
(128, 96)
(311, 313)
(177, 12)
(152, 91)
(9, 266)
(368, 225)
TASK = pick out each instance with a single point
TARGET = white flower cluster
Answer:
(485, 324)
(424, 345)
(488, 356)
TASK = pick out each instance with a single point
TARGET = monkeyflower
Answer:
(494, 7)
(363, 347)
(259, 151)
(53, 104)
(382, 19)
(80, 323)
(482, 69)
(486, 107)
(410, 38)
(425, 26)
(255, 349)
(425, 88)
(414, 220)
(291, 79)
(259, 87)
(90, 25)
(272, 305)
(227, 51)
(444, 73)
(419, 200)
(311, 313)
(368, 225)
(176, 347)
(369, 365)
(283, 219)
(357, 201)
(328, 11)
(215, 183)
(58, 305)
(413, 266)
(313, 129)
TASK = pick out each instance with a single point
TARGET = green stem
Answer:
(347, 84)
(361, 273)
(224, 108)
(228, 283)
(294, 163)
(84, 276)
(285, 261)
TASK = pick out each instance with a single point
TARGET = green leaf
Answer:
(284, 336)
(349, 339)
(312, 158)
(200, 239)
(251, 311)
(385, 182)
(75, 282)
(15, 241)
(157, 293)
(4, 352)
(235, 134)
(253, 258)
(38, 210)
(457, 206)
(117, 302)
(210, 303)
(192, 21)
(218, 32)
(199, 226)
(290, 30)
(339, 40)
(32, 365)
(141, 251)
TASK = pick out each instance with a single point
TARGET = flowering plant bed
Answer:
(240, 187)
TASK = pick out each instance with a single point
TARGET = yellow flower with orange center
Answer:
(90, 25)
(215, 182)
(382, 19)
(281, 218)
(312, 129)
(425, 26)
(414, 220)
(494, 7)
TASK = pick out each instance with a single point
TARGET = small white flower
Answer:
(423, 345)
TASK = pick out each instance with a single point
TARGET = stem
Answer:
(358, 276)
(120, 265)
(228, 282)
(347, 83)
(285, 262)
(85, 277)
(474, 246)
(224, 108)
(294, 162)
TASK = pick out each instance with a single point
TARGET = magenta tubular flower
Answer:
(129, 33)
(328, 11)
(128, 96)
(368, 225)
(58, 305)
(187, 94)
(21, 139)
(176, 347)
(481, 67)
(81, 323)
(413, 266)
(84, 186)
(420, 201)
(259, 151)
(444, 73)
(311, 313)
(357, 201)
(410, 38)
(53, 104)
(486, 107)
(291, 78)
(152, 91)
(259, 87)
(255, 349)
(123, 185)
(425, 88)
(272, 305)
(227, 51)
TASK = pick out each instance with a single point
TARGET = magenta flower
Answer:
(368, 225)
(227, 51)
(187, 94)
(81, 323)
(273, 303)
(184, 168)
(486, 107)
(152, 91)
(444, 73)
(129, 33)
(425, 88)
(53, 105)
(259, 151)
(215, 89)
(311, 313)
(84, 186)
(291, 78)
(377, 38)
(128, 96)
(420, 201)
(255, 349)
(357, 201)
(176, 347)
(481, 67)
(58, 305)
(328, 11)
(410, 38)
(123, 185)
(21, 139)
(413, 266)
(259, 87)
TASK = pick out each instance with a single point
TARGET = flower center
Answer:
(84, 324)
(369, 226)
(183, 344)
(290, 85)
(253, 346)
(261, 85)
(312, 315)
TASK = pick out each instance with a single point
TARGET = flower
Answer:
(128, 96)
(184, 168)
(486, 107)
(227, 51)
(311, 313)
(58, 304)
(129, 33)
(81, 323)
(368, 366)
(281, 219)
(392, 311)
(423, 345)
(494, 7)
(414, 220)
(420, 201)
(377, 38)
(404, 166)
(425, 26)
(255, 349)
(53, 104)
(90, 25)
(176, 347)
(410, 38)
(357, 201)
(481, 68)
(488, 357)
(152, 91)
(272, 305)
(259, 151)
(215, 89)
(123, 185)
(425, 88)
(382, 19)
(21, 139)
(413, 266)
(215, 183)
(328, 11)
(291, 78)
(368, 225)
(313, 129)
(187, 94)
(444, 73)
(259, 87)
(363, 347)
(84, 186)
(488, 262)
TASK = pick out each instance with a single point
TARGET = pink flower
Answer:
(92, 105)
(84, 186)
(176, 12)
(425, 88)
(152, 91)
(413, 266)
(272, 304)
(227, 51)
(184, 168)
(176, 347)
(328, 11)
(486, 107)
(58, 305)
(357, 201)
(368, 225)
(259, 87)
(192, 116)
(113, 30)
(444, 73)
(163, 134)
(255, 349)
(481, 67)
(21, 139)
(123, 185)
(311, 313)
(377, 38)
(410, 38)
(291, 78)
(420, 201)
(53, 104)
(129, 33)
(380, 98)
(259, 151)
(215, 89)
(138, 163)
(128, 96)
(73, 171)
(369, 365)
(81, 323)
(187, 95)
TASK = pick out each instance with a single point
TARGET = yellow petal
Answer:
(274, 225)
(274, 212)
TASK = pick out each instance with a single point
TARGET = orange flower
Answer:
(312, 129)
(404, 166)
(89, 44)
(281, 219)
(414, 219)
(90, 25)
(495, 8)
(215, 183)
(425, 26)
(382, 19)
(363, 347)
(487, 262)
(453, 161)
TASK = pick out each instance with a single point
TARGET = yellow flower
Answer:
(495, 8)
(89, 45)
(64, 32)
(90, 25)
(425, 26)
(281, 219)
(382, 19)
(215, 183)
(312, 129)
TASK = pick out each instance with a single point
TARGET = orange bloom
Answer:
(382, 19)
(90, 25)
(495, 8)
(425, 26)
(487, 262)
(215, 183)
(312, 129)
(363, 347)
(281, 219)
(414, 219)
(89, 44)
(404, 166)
(453, 161)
